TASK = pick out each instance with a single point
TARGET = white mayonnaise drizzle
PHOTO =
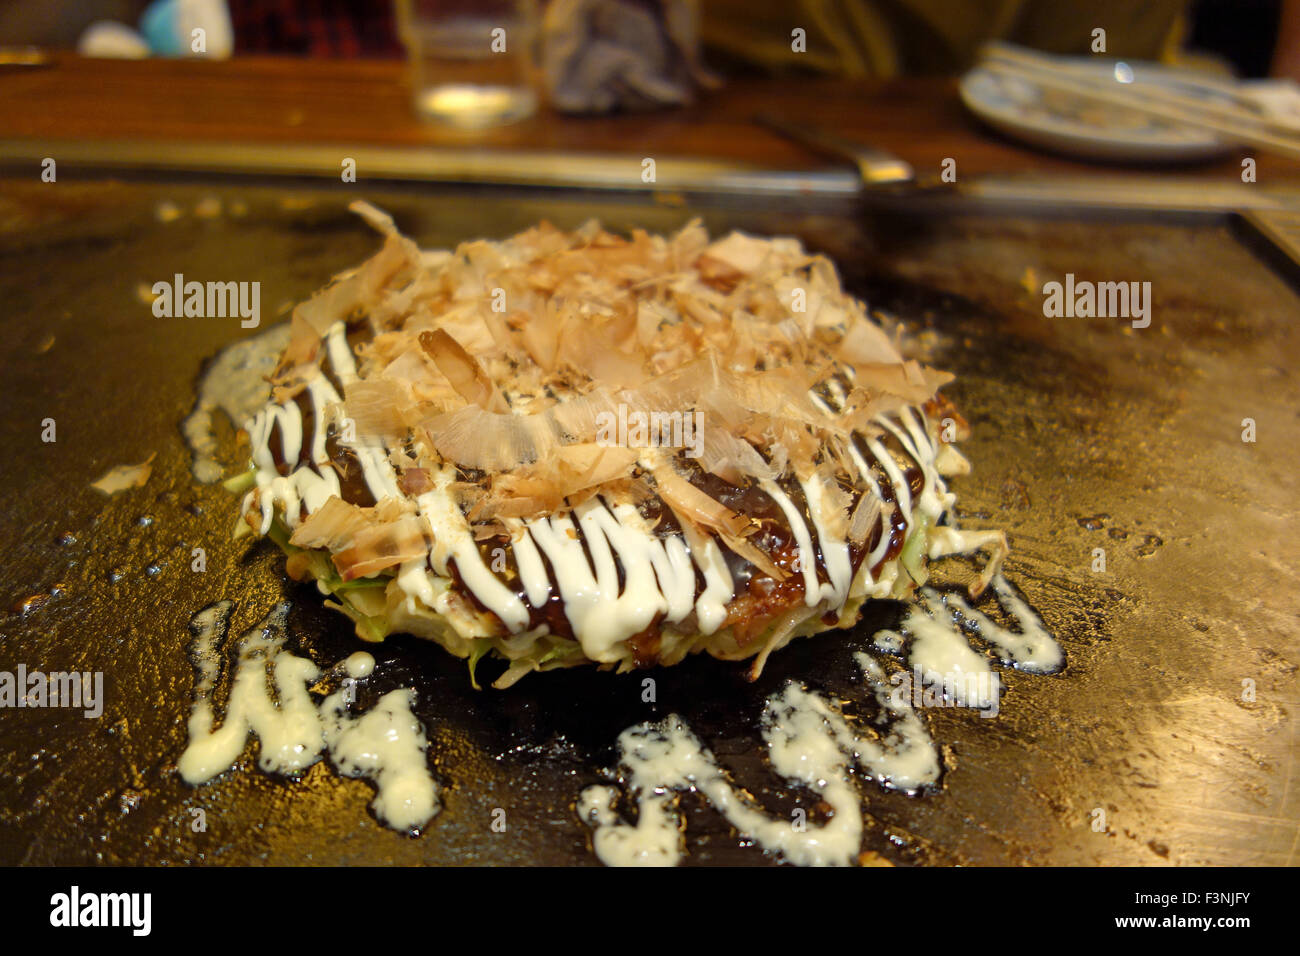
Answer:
(288, 730)
(658, 579)
(1031, 649)
(808, 742)
(813, 593)
(835, 552)
(903, 494)
(310, 485)
(385, 745)
(454, 539)
(940, 652)
(811, 744)
(934, 498)
(235, 383)
(580, 553)
(359, 665)
(711, 605)
(865, 472)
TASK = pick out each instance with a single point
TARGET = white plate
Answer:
(1069, 124)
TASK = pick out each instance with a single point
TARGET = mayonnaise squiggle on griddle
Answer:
(386, 744)
(811, 744)
(808, 742)
(939, 622)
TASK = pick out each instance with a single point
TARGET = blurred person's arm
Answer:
(886, 37)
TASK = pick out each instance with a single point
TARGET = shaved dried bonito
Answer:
(574, 447)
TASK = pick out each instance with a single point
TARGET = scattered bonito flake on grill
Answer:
(123, 477)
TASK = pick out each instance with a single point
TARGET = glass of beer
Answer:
(472, 62)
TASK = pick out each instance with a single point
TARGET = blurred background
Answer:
(883, 38)
(479, 64)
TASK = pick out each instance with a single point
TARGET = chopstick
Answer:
(1242, 109)
(1226, 88)
(1236, 123)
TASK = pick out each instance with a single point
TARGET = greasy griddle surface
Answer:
(1074, 419)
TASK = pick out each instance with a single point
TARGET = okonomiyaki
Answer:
(577, 447)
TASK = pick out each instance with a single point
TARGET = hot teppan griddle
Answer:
(1173, 717)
